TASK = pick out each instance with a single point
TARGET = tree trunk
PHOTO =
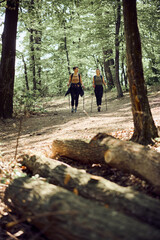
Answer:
(95, 61)
(124, 76)
(62, 215)
(107, 70)
(144, 127)
(66, 49)
(38, 42)
(118, 22)
(31, 10)
(124, 155)
(33, 65)
(7, 66)
(122, 199)
(38, 39)
(25, 73)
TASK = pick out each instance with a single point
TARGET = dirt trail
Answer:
(39, 130)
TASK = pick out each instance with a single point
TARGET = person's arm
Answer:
(69, 80)
(81, 81)
(103, 81)
(93, 82)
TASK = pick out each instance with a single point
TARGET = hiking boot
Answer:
(75, 110)
(72, 110)
(99, 109)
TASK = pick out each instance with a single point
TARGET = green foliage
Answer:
(149, 21)
(53, 36)
(80, 29)
(28, 101)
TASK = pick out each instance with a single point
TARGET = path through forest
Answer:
(57, 122)
(39, 130)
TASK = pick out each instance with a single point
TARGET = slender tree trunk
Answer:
(107, 69)
(102, 68)
(66, 49)
(25, 72)
(144, 126)
(118, 22)
(124, 76)
(7, 67)
(96, 61)
(31, 10)
(33, 67)
(38, 40)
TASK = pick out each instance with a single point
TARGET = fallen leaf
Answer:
(106, 206)
(67, 178)
(75, 191)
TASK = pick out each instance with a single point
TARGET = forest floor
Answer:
(36, 131)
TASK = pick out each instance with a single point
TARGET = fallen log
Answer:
(62, 215)
(121, 199)
(124, 155)
(131, 157)
(78, 150)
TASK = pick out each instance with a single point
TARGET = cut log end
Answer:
(126, 156)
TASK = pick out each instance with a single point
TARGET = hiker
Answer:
(98, 82)
(75, 83)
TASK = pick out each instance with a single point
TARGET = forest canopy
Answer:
(53, 36)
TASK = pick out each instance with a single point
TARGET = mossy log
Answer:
(62, 215)
(124, 155)
(121, 199)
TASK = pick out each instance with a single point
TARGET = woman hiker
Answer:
(75, 82)
(98, 82)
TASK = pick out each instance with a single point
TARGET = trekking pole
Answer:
(69, 100)
(106, 98)
(83, 107)
(91, 101)
(83, 102)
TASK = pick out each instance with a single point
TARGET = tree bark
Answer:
(123, 75)
(122, 199)
(78, 150)
(66, 49)
(31, 10)
(38, 40)
(124, 155)
(25, 73)
(7, 66)
(144, 126)
(118, 22)
(32, 57)
(62, 215)
(107, 70)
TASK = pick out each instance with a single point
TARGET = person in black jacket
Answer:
(75, 83)
(98, 82)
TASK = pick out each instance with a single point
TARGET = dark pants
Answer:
(99, 94)
(74, 95)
